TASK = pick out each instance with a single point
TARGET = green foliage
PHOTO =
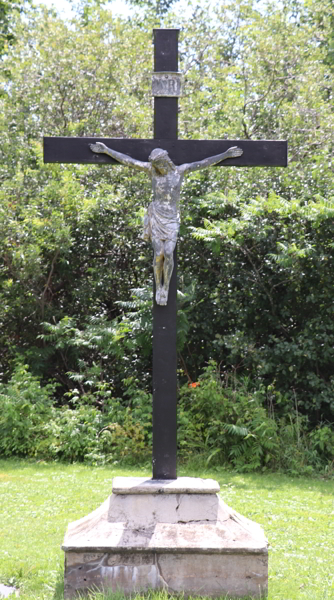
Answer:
(276, 256)
(31, 426)
(227, 424)
(137, 323)
(221, 421)
(224, 420)
(86, 434)
(323, 17)
(72, 434)
(323, 440)
(25, 409)
(116, 433)
(158, 7)
(97, 352)
(8, 8)
(255, 251)
(126, 443)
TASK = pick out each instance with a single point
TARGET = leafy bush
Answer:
(73, 433)
(221, 421)
(128, 434)
(227, 424)
(275, 319)
(31, 426)
(26, 408)
(126, 442)
(322, 439)
(87, 433)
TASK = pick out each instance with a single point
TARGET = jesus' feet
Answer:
(161, 296)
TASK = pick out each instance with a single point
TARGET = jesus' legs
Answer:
(158, 261)
(168, 266)
(163, 265)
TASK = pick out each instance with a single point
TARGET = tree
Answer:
(323, 17)
(7, 30)
(158, 7)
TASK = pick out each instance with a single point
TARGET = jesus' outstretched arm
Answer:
(232, 152)
(124, 159)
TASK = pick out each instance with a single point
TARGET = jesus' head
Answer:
(161, 161)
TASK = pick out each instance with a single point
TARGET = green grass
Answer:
(37, 501)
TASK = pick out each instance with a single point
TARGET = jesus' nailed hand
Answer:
(162, 220)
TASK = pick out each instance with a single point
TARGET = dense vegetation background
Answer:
(256, 249)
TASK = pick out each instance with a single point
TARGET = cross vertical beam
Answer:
(164, 317)
(165, 59)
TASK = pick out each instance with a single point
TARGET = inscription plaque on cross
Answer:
(185, 156)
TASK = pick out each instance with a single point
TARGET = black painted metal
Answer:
(165, 384)
(165, 124)
(165, 317)
(264, 153)
(166, 49)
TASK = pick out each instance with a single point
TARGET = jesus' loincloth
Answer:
(161, 222)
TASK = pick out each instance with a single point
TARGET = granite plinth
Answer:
(186, 541)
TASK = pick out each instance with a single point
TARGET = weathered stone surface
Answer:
(78, 558)
(118, 572)
(210, 574)
(214, 574)
(146, 510)
(192, 543)
(166, 84)
(181, 485)
(220, 529)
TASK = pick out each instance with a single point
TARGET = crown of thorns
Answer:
(157, 153)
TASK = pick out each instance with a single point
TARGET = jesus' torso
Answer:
(164, 211)
(167, 188)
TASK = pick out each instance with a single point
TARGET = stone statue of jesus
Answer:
(162, 220)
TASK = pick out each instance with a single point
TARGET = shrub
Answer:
(128, 433)
(227, 424)
(25, 409)
(72, 433)
(124, 442)
(322, 440)
(220, 421)
(116, 433)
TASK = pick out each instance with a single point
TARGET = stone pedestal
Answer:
(176, 535)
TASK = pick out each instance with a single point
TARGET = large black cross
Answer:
(255, 153)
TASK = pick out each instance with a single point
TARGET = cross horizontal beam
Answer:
(264, 153)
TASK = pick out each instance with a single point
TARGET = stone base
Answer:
(174, 535)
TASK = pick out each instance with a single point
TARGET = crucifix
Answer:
(166, 159)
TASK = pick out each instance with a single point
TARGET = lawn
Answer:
(37, 500)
